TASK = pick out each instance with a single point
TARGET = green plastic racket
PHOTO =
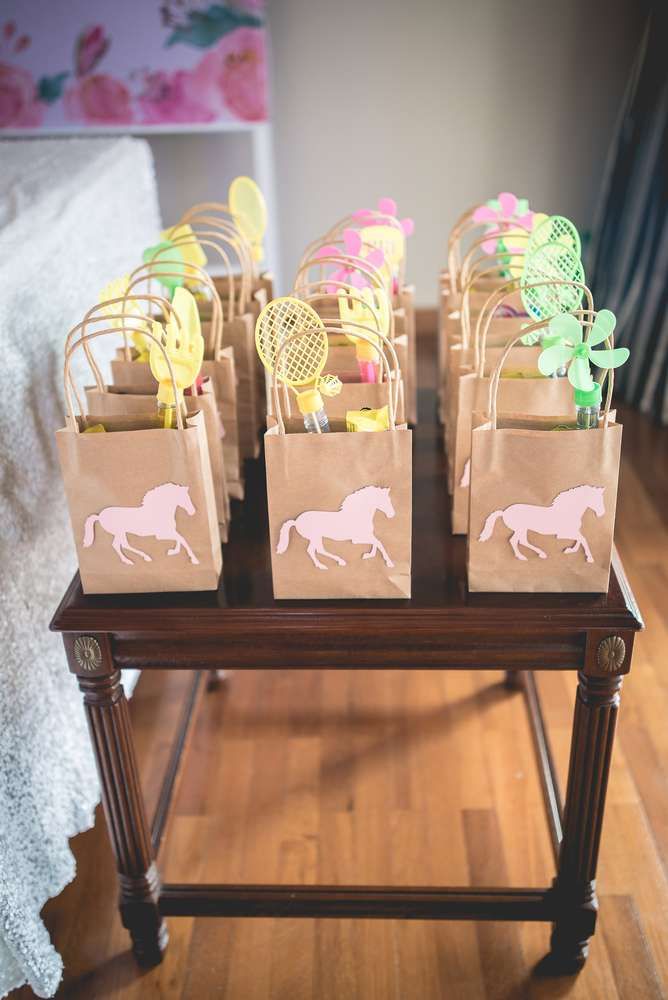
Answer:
(547, 266)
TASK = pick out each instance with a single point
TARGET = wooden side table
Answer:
(442, 627)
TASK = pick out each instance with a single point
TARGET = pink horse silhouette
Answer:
(155, 516)
(353, 521)
(562, 518)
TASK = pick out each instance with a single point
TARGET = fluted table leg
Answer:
(108, 719)
(596, 707)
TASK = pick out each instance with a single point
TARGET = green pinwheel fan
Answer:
(548, 266)
(577, 353)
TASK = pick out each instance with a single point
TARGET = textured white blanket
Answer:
(73, 214)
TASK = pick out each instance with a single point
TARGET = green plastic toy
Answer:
(170, 257)
(546, 266)
(577, 353)
(555, 229)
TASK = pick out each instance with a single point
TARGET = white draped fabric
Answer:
(74, 214)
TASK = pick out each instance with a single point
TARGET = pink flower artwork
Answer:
(233, 75)
(99, 100)
(174, 97)
(18, 105)
(171, 63)
(90, 46)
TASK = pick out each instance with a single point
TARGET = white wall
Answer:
(442, 105)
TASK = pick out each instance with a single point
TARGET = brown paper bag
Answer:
(339, 511)
(261, 292)
(537, 490)
(219, 367)
(405, 325)
(239, 334)
(141, 501)
(123, 401)
(540, 396)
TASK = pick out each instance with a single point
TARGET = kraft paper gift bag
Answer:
(219, 367)
(239, 335)
(527, 394)
(544, 477)
(114, 401)
(405, 326)
(141, 502)
(340, 511)
(129, 369)
(543, 503)
(261, 289)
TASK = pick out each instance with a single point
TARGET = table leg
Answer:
(139, 881)
(596, 707)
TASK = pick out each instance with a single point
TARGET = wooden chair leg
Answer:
(139, 881)
(596, 707)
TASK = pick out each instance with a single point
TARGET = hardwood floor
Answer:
(394, 777)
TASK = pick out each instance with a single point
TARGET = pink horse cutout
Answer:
(155, 516)
(353, 521)
(562, 518)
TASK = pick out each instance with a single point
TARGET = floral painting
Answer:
(69, 65)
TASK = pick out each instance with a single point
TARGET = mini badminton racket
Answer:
(298, 362)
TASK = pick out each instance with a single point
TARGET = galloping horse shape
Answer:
(562, 518)
(155, 516)
(353, 521)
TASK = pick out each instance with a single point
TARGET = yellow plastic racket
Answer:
(302, 360)
(185, 349)
(249, 209)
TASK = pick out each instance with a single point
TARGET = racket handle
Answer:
(167, 415)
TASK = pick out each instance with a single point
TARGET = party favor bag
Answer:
(141, 501)
(543, 501)
(113, 401)
(339, 510)
(523, 390)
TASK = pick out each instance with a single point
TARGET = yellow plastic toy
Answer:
(367, 419)
(190, 247)
(302, 360)
(389, 239)
(185, 350)
(249, 210)
(117, 289)
(374, 314)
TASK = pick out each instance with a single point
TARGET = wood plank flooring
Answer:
(391, 777)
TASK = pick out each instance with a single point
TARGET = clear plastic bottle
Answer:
(588, 407)
(312, 410)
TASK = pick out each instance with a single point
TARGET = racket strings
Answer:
(556, 229)
(301, 360)
(552, 263)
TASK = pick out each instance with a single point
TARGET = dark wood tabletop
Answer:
(246, 626)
